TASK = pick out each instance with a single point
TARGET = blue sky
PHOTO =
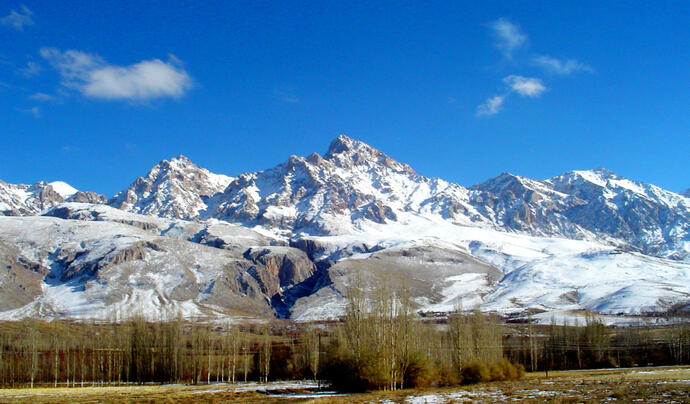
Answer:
(95, 93)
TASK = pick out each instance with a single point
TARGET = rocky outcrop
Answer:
(173, 189)
(27, 200)
(20, 278)
(595, 204)
(88, 197)
(279, 268)
(352, 179)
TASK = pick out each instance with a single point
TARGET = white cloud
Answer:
(35, 111)
(93, 77)
(42, 97)
(491, 106)
(525, 86)
(31, 69)
(561, 67)
(509, 38)
(18, 19)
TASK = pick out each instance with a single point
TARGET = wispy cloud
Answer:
(525, 86)
(95, 78)
(34, 111)
(31, 69)
(42, 97)
(563, 67)
(509, 37)
(491, 106)
(18, 19)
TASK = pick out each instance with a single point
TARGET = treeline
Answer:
(593, 345)
(64, 353)
(380, 344)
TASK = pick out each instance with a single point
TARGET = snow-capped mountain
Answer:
(644, 216)
(353, 183)
(517, 203)
(23, 200)
(286, 241)
(174, 189)
(333, 194)
(593, 204)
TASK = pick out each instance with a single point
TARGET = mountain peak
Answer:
(175, 188)
(178, 162)
(181, 157)
(604, 172)
(343, 144)
(347, 152)
(598, 176)
(686, 193)
(64, 189)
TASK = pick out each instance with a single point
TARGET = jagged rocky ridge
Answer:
(296, 231)
(23, 200)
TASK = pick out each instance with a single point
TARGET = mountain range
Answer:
(287, 240)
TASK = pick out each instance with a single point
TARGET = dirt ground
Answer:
(645, 385)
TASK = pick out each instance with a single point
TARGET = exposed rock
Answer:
(174, 189)
(88, 197)
(283, 267)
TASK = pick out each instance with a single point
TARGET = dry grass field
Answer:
(644, 385)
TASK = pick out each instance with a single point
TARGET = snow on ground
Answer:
(557, 275)
(546, 273)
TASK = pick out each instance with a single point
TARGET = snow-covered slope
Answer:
(517, 203)
(539, 273)
(286, 241)
(174, 189)
(23, 200)
(591, 205)
(643, 216)
(94, 268)
(351, 184)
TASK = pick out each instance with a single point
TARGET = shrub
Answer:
(475, 372)
(417, 374)
(627, 361)
(445, 375)
(504, 370)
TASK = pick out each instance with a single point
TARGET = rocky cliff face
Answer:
(331, 194)
(594, 204)
(174, 189)
(643, 216)
(353, 184)
(83, 268)
(520, 204)
(26, 200)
